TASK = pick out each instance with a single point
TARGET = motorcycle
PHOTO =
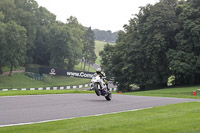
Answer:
(100, 88)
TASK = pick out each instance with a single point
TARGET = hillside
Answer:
(105, 36)
(99, 45)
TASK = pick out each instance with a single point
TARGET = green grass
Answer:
(78, 68)
(178, 118)
(99, 45)
(19, 80)
(41, 92)
(179, 92)
(7, 69)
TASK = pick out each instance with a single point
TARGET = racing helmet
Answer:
(98, 70)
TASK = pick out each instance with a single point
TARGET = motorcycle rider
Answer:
(102, 76)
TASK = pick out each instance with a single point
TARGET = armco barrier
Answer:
(54, 88)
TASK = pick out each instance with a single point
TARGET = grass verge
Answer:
(19, 80)
(178, 118)
(178, 92)
(87, 68)
(7, 69)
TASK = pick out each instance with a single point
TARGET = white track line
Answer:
(70, 118)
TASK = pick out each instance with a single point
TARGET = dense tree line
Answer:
(105, 36)
(161, 41)
(31, 34)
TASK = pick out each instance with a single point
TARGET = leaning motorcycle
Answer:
(100, 88)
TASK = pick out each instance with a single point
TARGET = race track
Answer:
(16, 110)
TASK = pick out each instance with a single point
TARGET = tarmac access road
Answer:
(19, 110)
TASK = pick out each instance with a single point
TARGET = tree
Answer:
(139, 56)
(2, 46)
(23, 12)
(157, 28)
(15, 41)
(107, 56)
(76, 43)
(7, 7)
(1, 17)
(49, 42)
(59, 46)
(44, 21)
(106, 36)
(41, 52)
(25, 15)
(88, 47)
(185, 58)
(113, 61)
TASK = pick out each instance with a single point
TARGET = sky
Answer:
(97, 14)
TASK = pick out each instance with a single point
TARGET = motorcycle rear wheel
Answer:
(97, 91)
(109, 96)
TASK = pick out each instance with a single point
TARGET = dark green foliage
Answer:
(58, 46)
(76, 40)
(23, 13)
(2, 47)
(107, 55)
(44, 20)
(162, 40)
(42, 55)
(113, 62)
(105, 36)
(185, 59)
(49, 42)
(89, 55)
(13, 40)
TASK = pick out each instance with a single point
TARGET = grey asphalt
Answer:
(37, 108)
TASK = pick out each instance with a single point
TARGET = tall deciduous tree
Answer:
(59, 46)
(185, 58)
(25, 15)
(76, 42)
(44, 21)
(23, 12)
(157, 28)
(140, 53)
(7, 7)
(49, 42)
(88, 47)
(15, 41)
(2, 46)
